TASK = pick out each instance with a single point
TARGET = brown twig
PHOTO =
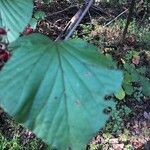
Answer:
(99, 10)
(128, 20)
(61, 11)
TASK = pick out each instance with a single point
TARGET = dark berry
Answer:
(4, 55)
(2, 31)
(28, 30)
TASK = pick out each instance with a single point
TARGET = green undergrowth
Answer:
(135, 63)
(14, 144)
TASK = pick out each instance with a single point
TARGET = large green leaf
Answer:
(14, 16)
(57, 89)
(137, 77)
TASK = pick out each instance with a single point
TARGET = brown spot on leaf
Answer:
(77, 102)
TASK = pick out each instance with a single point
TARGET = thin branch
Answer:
(115, 18)
(131, 8)
(99, 10)
(80, 14)
(61, 11)
(74, 22)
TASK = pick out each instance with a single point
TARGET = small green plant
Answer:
(83, 32)
(116, 122)
(11, 145)
(93, 147)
